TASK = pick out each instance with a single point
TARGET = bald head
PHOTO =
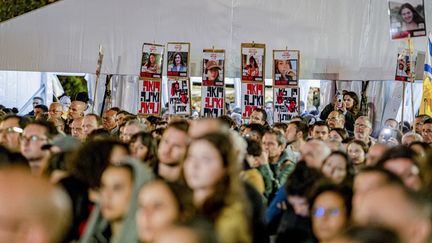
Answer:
(33, 210)
(314, 152)
(76, 109)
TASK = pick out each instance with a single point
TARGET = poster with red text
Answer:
(252, 96)
(179, 97)
(212, 101)
(150, 97)
(286, 102)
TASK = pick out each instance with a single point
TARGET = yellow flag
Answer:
(426, 102)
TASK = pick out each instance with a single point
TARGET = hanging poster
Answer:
(178, 59)
(179, 97)
(286, 102)
(150, 97)
(403, 68)
(213, 101)
(407, 17)
(212, 89)
(253, 62)
(286, 67)
(151, 61)
(252, 96)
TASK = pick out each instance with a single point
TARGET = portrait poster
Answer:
(150, 97)
(313, 99)
(286, 68)
(404, 65)
(179, 97)
(152, 61)
(213, 70)
(212, 101)
(286, 102)
(252, 96)
(178, 59)
(407, 17)
(253, 62)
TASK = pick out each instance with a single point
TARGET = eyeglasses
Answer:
(32, 138)
(11, 130)
(320, 212)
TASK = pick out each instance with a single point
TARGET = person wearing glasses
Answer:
(10, 130)
(330, 210)
(363, 130)
(35, 135)
(55, 110)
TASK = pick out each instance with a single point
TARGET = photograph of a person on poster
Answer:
(177, 63)
(407, 18)
(152, 65)
(252, 68)
(284, 72)
(213, 75)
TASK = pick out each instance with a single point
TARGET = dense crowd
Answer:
(67, 175)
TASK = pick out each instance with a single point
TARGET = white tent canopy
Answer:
(349, 39)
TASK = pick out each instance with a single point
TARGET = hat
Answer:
(212, 64)
(64, 143)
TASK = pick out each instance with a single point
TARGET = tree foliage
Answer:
(73, 85)
(13, 8)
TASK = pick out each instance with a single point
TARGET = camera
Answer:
(339, 99)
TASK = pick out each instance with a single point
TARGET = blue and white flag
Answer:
(428, 62)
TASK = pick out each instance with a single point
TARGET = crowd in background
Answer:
(67, 175)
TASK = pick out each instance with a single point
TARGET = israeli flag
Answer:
(428, 63)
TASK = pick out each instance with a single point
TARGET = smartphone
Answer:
(339, 99)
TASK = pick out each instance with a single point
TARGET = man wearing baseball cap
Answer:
(212, 73)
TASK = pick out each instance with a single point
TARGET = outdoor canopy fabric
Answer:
(347, 38)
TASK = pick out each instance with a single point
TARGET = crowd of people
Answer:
(69, 176)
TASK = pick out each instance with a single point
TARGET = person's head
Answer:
(258, 116)
(391, 123)
(10, 129)
(35, 135)
(160, 205)
(76, 109)
(280, 127)
(420, 148)
(151, 60)
(390, 136)
(89, 162)
(55, 110)
(357, 150)
(131, 128)
(210, 170)
(37, 101)
(90, 123)
(65, 101)
(418, 121)
(330, 210)
(375, 152)
(254, 131)
(338, 167)
(336, 119)
(77, 128)
(212, 70)
(427, 131)
(116, 191)
(362, 128)
(393, 206)
(409, 14)
(283, 66)
(205, 125)
(338, 134)
(173, 144)
(401, 161)
(410, 137)
(32, 209)
(351, 101)
(298, 187)
(40, 109)
(368, 234)
(143, 147)
(296, 131)
(320, 131)
(273, 142)
(314, 152)
(108, 119)
(178, 60)
(120, 117)
(370, 178)
(253, 62)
